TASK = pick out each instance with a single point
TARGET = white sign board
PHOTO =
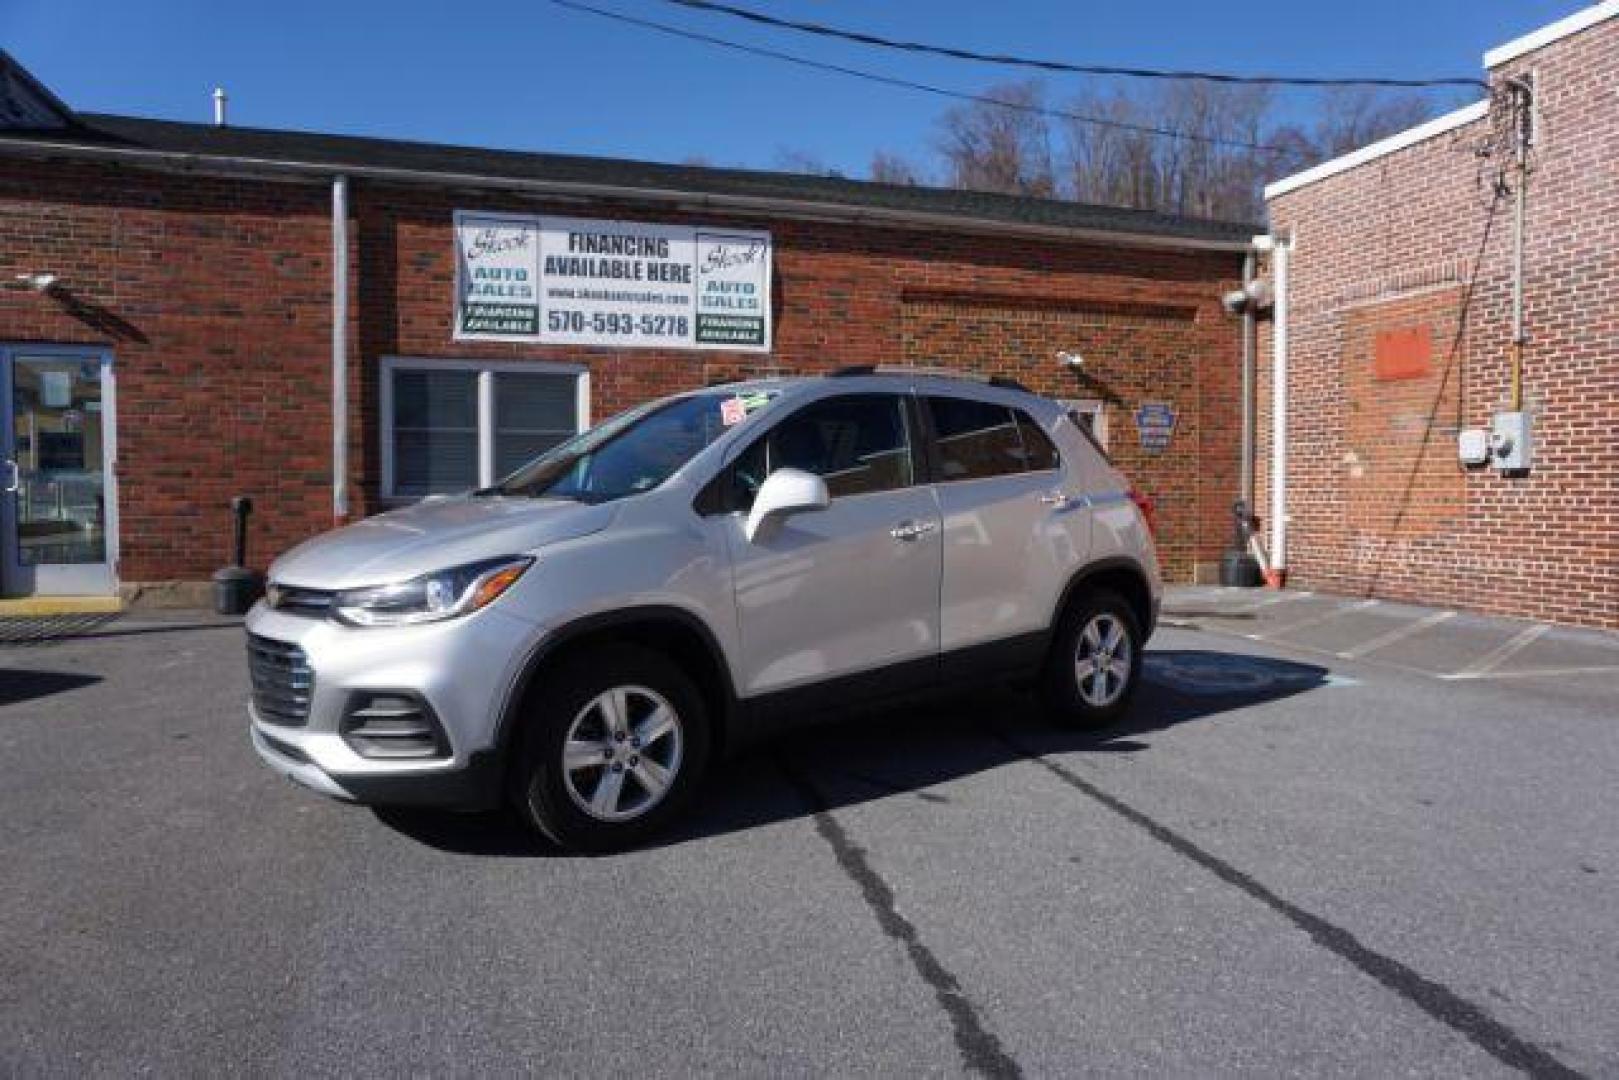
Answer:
(578, 281)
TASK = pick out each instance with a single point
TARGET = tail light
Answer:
(1149, 512)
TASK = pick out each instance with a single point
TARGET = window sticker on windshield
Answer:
(734, 410)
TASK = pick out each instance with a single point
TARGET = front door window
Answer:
(56, 449)
(59, 450)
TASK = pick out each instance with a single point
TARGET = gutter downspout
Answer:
(340, 349)
(1245, 483)
(1283, 249)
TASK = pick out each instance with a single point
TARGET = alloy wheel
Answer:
(1102, 660)
(622, 753)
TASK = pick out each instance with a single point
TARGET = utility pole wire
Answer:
(889, 80)
(822, 30)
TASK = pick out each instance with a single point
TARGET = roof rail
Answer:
(1006, 382)
(1001, 381)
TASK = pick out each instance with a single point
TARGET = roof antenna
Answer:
(219, 106)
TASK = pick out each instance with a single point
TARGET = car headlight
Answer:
(444, 594)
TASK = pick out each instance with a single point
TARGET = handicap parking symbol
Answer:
(1210, 674)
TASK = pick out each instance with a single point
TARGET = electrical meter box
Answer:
(1511, 443)
(1473, 446)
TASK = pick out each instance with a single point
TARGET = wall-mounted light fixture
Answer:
(36, 282)
(1070, 359)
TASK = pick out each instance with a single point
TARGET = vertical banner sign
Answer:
(497, 277)
(578, 281)
(733, 289)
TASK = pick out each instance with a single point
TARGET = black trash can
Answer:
(1241, 570)
(236, 588)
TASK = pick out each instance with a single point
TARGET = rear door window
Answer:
(974, 439)
(1040, 453)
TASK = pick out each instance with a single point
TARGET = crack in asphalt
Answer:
(1471, 1020)
(980, 1050)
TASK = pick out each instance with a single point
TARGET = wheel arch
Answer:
(671, 631)
(1120, 574)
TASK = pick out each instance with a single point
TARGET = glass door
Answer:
(58, 532)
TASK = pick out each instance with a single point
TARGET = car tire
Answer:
(615, 746)
(1095, 663)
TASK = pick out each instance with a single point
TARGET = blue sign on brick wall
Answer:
(1155, 423)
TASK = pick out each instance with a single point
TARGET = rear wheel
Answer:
(614, 749)
(1095, 662)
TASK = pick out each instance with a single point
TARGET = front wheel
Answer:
(613, 751)
(1095, 662)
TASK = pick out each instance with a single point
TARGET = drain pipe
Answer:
(340, 349)
(1245, 483)
(1280, 248)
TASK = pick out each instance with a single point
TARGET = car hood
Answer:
(433, 535)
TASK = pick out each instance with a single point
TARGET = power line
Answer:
(889, 80)
(822, 30)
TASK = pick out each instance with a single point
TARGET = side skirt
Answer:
(1009, 660)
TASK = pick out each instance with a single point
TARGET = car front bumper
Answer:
(464, 671)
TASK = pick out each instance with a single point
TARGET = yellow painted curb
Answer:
(34, 607)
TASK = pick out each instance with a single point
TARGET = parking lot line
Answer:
(1314, 620)
(1500, 654)
(1275, 601)
(1534, 673)
(1399, 633)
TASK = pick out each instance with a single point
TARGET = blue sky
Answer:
(527, 75)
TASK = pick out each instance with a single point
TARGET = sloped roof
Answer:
(203, 143)
(25, 103)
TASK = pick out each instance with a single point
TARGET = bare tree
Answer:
(1188, 147)
(994, 148)
(802, 161)
(1352, 117)
(887, 168)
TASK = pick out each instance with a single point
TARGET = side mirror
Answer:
(785, 492)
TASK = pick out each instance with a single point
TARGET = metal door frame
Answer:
(86, 579)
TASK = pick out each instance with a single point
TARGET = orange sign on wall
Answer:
(1406, 353)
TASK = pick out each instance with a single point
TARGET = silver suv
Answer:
(585, 636)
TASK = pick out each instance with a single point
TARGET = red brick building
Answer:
(178, 297)
(1399, 337)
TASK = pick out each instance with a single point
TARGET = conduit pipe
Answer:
(1280, 248)
(340, 349)
(1250, 321)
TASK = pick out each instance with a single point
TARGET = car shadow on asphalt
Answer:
(908, 752)
(18, 686)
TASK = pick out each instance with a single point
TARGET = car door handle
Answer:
(1058, 499)
(16, 478)
(911, 530)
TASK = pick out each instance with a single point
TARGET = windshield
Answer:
(634, 451)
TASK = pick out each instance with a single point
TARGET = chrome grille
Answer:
(283, 682)
(296, 600)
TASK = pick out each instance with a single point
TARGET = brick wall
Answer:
(1416, 241)
(214, 294)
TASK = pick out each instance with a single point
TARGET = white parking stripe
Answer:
(1399, 633)
(1275, 601)
(1314, 620)
(1500, 654)
(1535, 673)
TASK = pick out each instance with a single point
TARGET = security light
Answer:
(37, 282)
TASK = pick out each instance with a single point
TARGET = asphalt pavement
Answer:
(1288, 861)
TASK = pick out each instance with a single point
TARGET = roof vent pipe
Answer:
(219, 106)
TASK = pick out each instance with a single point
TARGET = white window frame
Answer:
(486, 371)
(1096, 410)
